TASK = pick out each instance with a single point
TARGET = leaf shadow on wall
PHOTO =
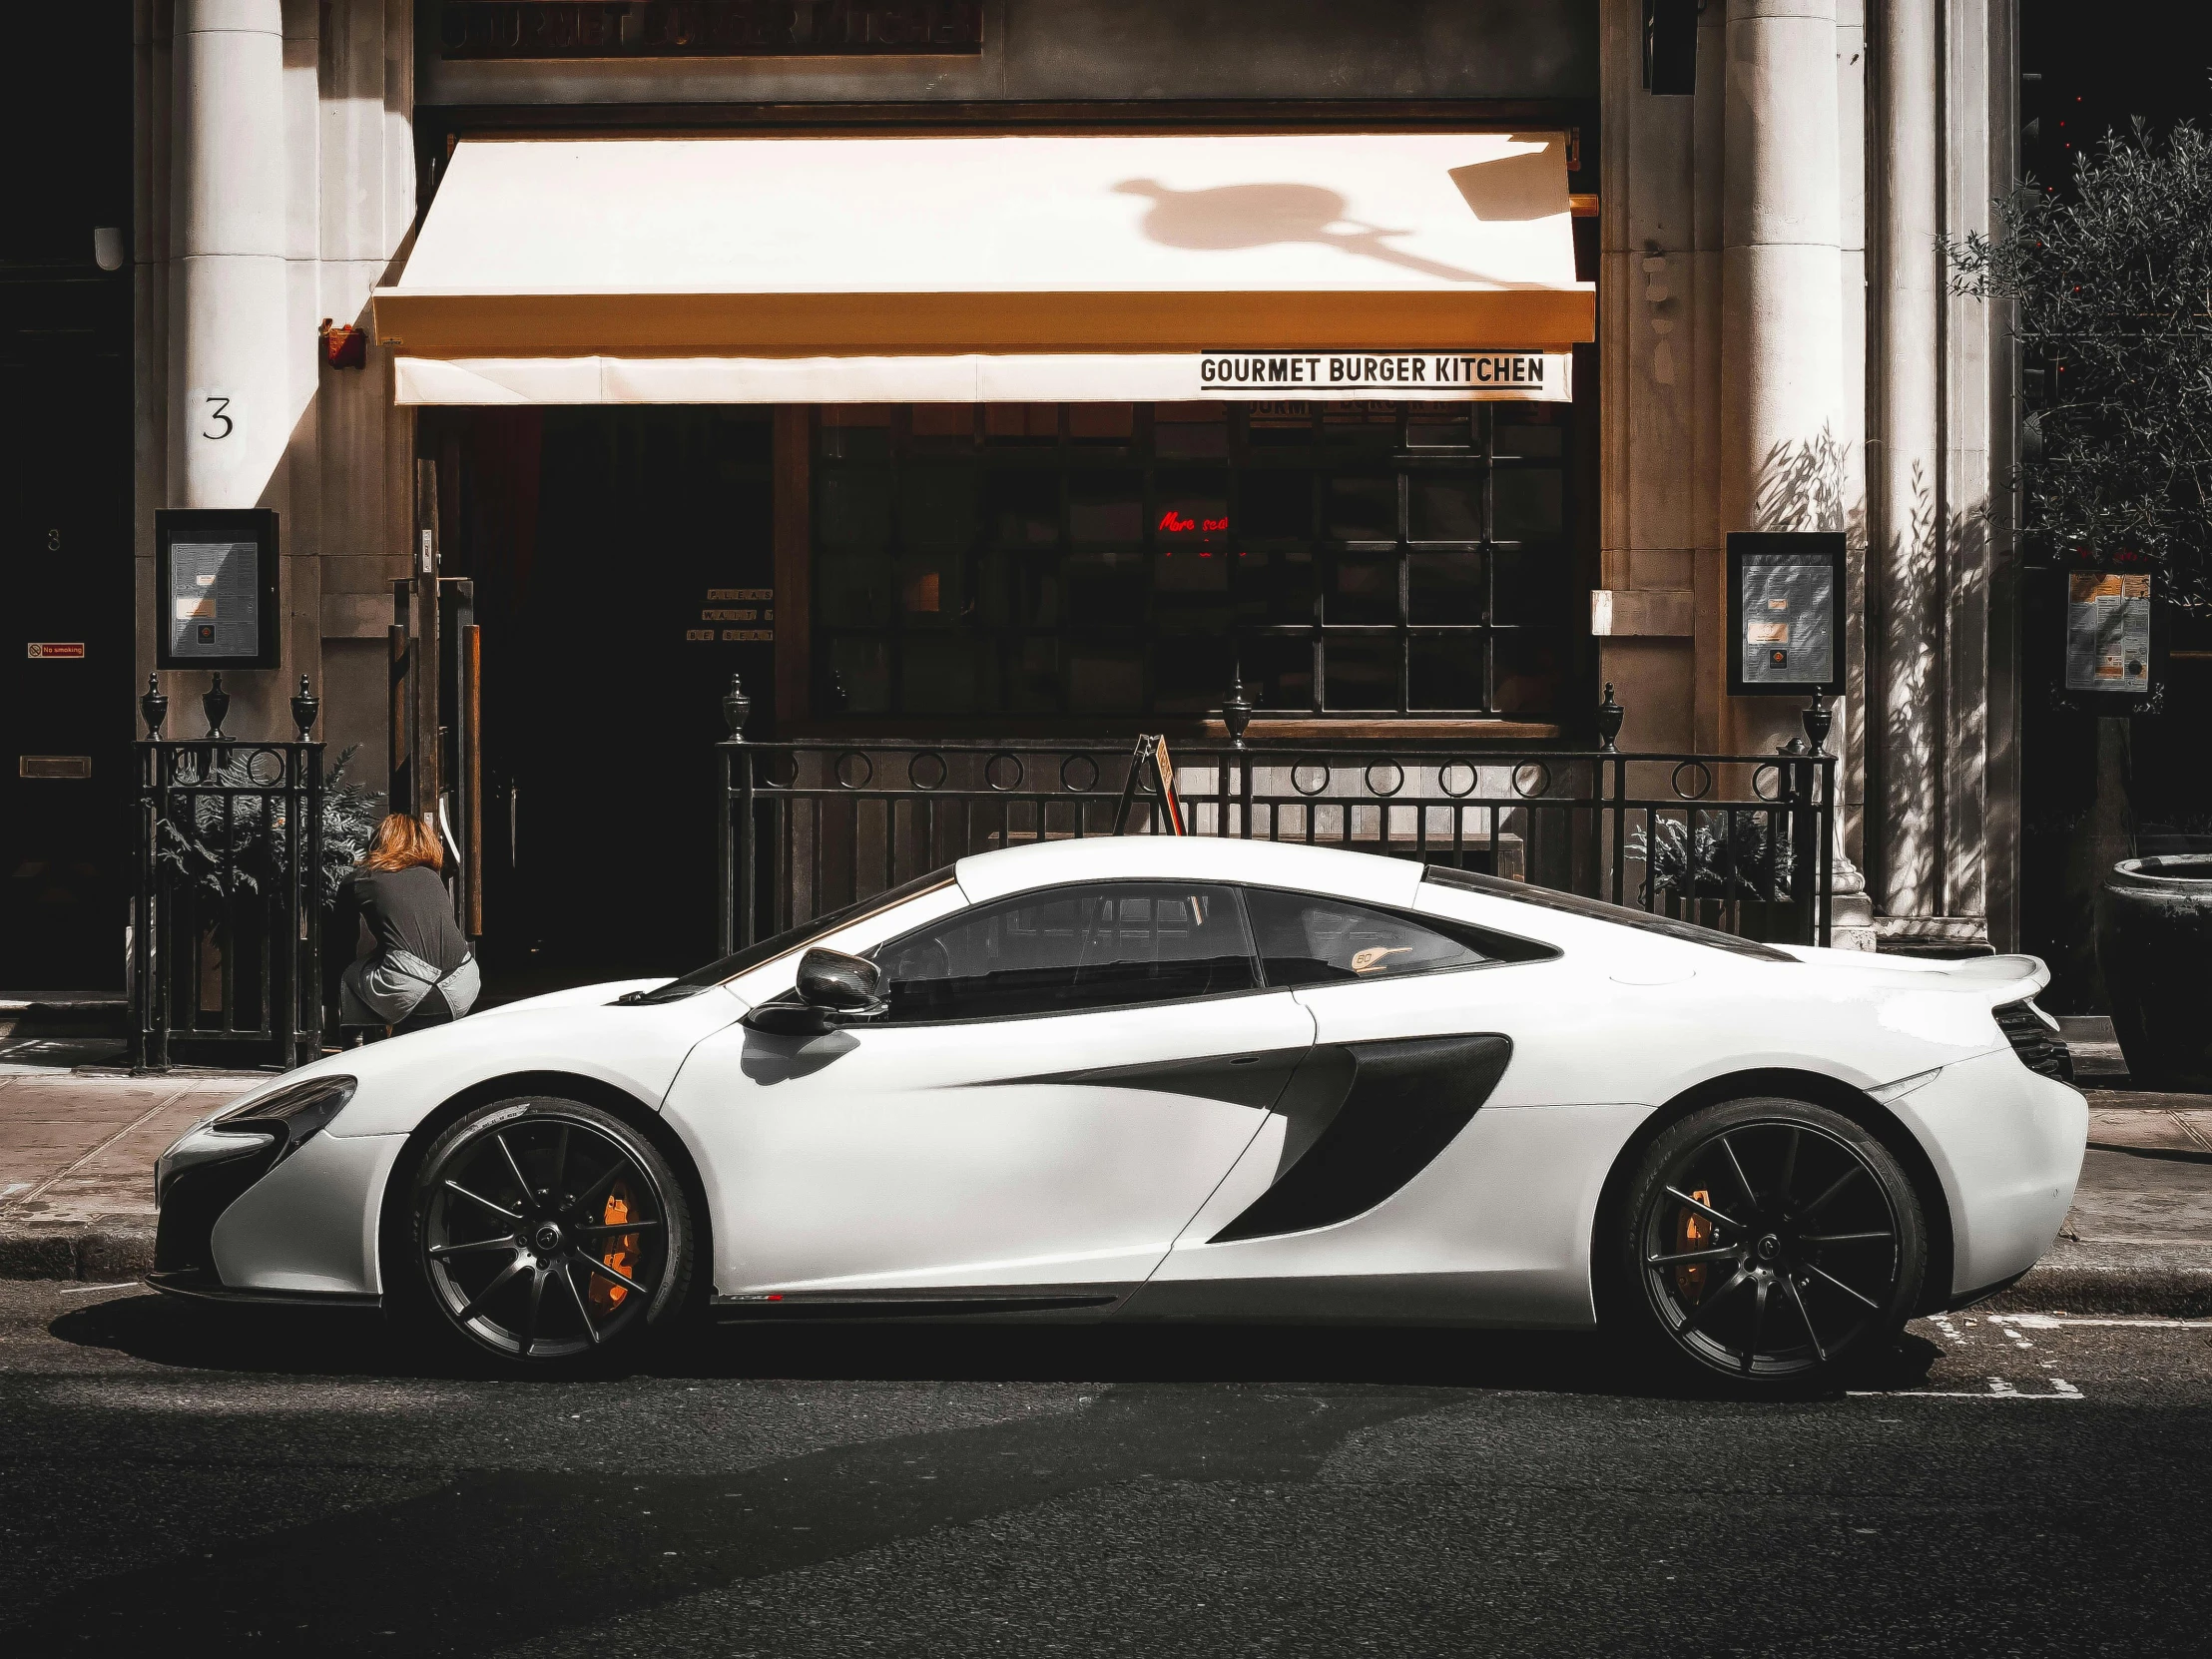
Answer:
(1933, 853)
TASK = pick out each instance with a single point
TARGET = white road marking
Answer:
(86, 1290)
(2069, 1392)
(2060, 1321)
(1999, 1388)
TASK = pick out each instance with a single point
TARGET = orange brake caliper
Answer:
(604, 1295)
(1696, 1234)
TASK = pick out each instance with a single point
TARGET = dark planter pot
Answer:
(2154, 946)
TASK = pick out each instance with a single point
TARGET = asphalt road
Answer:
(295, 1484)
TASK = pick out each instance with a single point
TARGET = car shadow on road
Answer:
(315, 1342)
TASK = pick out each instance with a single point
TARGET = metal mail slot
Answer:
(53, 766)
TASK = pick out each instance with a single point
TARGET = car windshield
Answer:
(753, 956)
(1597, 909)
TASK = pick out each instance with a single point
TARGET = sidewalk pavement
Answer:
(77, 1153)
(77, 1143)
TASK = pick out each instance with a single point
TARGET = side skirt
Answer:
(1044, 1304)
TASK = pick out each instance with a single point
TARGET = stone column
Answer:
(1781, 297)
(1906, 474)
(230, 411)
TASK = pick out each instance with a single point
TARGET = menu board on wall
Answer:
(1785, 612)
(217, 576)
(2108, 632)
(214, 599)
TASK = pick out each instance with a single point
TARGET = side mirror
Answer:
(833, 989)
(839, 984)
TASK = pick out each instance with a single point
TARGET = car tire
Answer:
(547, 1234)
(1770, 1246)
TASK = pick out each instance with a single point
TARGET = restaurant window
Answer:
(1109, 560)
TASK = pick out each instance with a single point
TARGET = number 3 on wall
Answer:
(219, 424)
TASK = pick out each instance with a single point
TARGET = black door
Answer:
(609, 633)
(64, 508)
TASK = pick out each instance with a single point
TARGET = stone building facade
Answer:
(1776, 346)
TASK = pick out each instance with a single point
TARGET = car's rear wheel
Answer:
(1771, 1242)
(549, 1231)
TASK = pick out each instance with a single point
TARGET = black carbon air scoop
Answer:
(1366, 1118)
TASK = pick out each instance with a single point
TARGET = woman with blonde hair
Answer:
(419, 947)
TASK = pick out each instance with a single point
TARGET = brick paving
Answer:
(77, 1158)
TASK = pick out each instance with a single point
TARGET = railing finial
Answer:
(1236, 707)
(305, 707)
(737, 708)
(155, 707)
(215, 705)
(1818, 718)
(1609, 718)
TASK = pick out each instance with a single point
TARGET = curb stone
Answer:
(104, 1249)
(2169, 1280)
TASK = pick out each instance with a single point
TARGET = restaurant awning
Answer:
(988, 269)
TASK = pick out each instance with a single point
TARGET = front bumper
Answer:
(236, 1228)
(197, 1288)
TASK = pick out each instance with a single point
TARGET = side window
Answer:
(1306, 939)
(1105, 945)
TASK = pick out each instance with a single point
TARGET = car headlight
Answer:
(268, 1129)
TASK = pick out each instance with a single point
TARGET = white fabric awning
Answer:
(965, 269)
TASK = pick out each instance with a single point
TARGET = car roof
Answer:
(1361, 876)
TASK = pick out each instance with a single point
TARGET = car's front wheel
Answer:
(1771, 1242)
(549, 1230)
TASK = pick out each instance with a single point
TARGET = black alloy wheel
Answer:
(1772, 1242)
(550, 1231)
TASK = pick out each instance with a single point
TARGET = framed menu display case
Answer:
(1785, 613)
(215, 573)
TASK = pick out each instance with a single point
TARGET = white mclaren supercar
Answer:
(1159, 1078)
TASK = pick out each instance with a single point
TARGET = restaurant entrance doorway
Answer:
(624, 569)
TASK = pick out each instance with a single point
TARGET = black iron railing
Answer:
(226, 941)
(1734, 842)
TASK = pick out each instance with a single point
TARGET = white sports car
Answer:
(1160, 1078)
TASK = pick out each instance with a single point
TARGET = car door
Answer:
(1374, 1191)
(1061, 1080)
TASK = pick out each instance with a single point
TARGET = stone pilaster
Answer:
(230, 411)
(1933, 380)
(1780, 464)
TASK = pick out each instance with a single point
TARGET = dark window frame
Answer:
(1496, 950)
(1269, 608)
(1071, 889)
(1499, 949)
(1597, 909)
(723, 970)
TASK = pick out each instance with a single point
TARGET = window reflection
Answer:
(1112, 560)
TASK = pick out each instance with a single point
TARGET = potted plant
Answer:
(2110, 284)
(2155, 937)
(195, 847)
(1729, 856)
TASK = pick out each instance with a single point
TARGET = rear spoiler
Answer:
(2006, 978)
(1999, 980)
